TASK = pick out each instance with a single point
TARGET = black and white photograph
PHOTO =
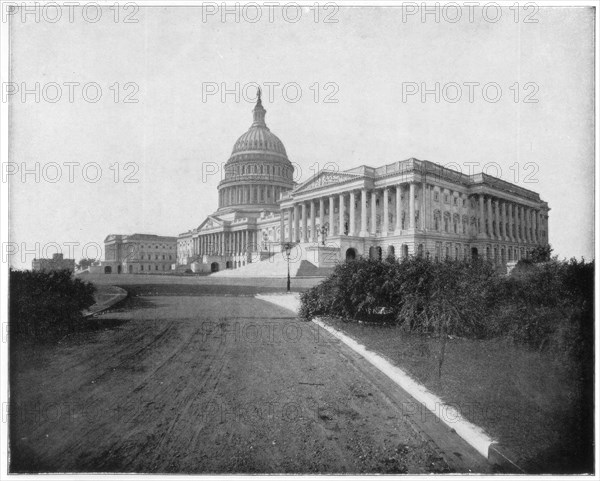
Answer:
(247, 238)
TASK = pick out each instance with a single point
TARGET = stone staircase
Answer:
(276, 266)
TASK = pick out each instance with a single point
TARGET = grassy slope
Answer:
(529, 401)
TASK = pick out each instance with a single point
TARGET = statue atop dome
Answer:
(259, 112)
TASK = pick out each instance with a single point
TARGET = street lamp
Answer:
(288, 246)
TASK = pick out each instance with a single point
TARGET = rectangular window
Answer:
(436, 196)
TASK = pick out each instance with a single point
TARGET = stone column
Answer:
(364, 231)
(490, 217)
(518, 220)
(296, 223)
(341, 212)
(331, 216)
(481, 216)
(313, 215)
(290, 236)
(352, 227)
(398, 227)
(528, 223)
(304, 223)
(525, 225)
(322, 212)
(373, 212)
(244, 241)
(423, 208)
(503, 216)
(497, 219)
(282, 226)
(386, 213)
(536, 238)
(511, 237)
(411, 205)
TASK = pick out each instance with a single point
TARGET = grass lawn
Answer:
(532, 402)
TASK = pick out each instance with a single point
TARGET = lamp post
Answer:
(288, 251)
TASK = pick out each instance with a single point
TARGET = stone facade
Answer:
(415, 207)
(57, 263)
(408, 207)
(139, 254)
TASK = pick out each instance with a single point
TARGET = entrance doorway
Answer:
(214, 267)
(350, 254)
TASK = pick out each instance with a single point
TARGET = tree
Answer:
(87, 262)
(540, 254)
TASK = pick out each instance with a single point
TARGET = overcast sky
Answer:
(367, 62)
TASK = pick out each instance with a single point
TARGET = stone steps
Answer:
(275, 266)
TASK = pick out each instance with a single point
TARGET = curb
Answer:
(120, 295)
(501, 456)
(495, 453)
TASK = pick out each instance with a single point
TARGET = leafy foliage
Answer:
(541, 305)
(87, 262)
(44, 305)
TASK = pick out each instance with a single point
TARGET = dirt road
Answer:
(208, 384)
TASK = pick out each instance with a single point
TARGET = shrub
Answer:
(44, 305)
(541, 305)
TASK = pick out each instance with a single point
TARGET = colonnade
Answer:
(249, 194)
(225, 243)
(393, 209)
(509, 221)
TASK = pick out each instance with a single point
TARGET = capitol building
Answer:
(408, 207)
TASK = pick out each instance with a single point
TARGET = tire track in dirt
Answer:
(82, 398)
(180, 393)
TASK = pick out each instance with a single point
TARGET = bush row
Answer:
(541, 305)
(44, 305)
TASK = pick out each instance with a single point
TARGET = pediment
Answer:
(211, 222)
(325, 178)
